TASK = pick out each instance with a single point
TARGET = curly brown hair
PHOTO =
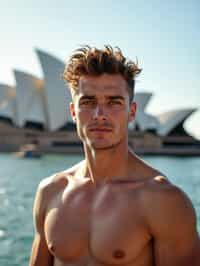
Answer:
(89, 60)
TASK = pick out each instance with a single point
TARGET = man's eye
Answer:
(115, 102)
(87, 102)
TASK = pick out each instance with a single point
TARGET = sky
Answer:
(163, 35)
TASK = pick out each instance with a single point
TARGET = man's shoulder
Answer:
(58, 180)
(167, 205)
(160, 190)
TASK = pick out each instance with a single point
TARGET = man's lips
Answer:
(98, 128)
(101, 129)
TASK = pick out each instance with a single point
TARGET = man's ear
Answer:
(72, 111)
(132, 111)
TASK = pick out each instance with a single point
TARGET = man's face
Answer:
(101, 110)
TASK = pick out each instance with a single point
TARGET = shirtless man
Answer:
(111, 208)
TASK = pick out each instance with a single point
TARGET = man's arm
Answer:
(172, 221)
(40, 255)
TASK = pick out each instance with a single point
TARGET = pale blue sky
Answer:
(164, 35)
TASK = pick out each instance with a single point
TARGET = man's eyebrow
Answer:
(110, 97)
(87, 97)
(116, 97)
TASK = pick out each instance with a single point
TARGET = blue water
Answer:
(18, 182)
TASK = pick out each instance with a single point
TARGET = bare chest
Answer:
(105, 224)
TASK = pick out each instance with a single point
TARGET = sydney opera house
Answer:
(36, 111)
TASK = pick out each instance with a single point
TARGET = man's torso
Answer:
(98, 225)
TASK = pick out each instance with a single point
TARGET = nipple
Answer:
(119, 254)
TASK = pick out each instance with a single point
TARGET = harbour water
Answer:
(19, 179)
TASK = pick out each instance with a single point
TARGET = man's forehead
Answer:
(105, 90)
(110, 83)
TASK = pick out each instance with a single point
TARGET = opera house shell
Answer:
(37, 111)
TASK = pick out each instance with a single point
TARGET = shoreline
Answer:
(14, 139)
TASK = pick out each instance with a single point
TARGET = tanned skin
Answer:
(112, 208)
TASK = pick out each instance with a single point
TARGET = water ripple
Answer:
(2, 233)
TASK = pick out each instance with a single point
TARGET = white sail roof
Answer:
(30, 99)
(7, 102)
(169, 120)
(143, 120)
(146, 121)
(57, 95)
(142, 99)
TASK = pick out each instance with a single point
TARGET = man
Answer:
(111, 208)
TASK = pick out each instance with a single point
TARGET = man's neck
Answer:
(106, 164)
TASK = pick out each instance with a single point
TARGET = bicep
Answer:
(40, 254)
(176, 241)
(174, 229)
(177, 252)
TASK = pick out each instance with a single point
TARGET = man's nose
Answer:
(100, 112)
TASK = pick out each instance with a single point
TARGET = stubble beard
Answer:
(92, 144)
(102, 147)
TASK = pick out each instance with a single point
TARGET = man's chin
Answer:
(102, 145)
